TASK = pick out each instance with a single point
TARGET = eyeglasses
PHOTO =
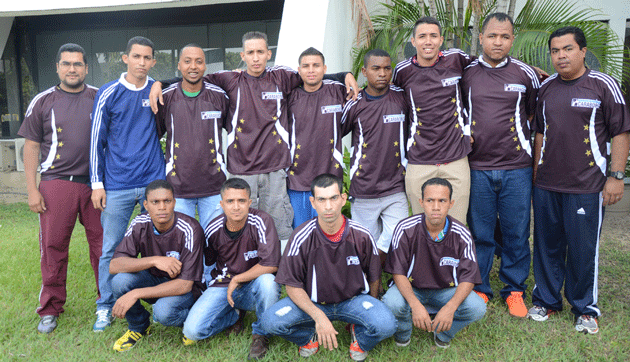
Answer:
(66, 65)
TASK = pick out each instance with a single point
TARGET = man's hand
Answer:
(123, 304)
(169, 265)
(156, 95)
(352, 87)
(613, 191)
(542, 75)
(36, 202)
(99, 199)
(443, 320)
(421, 318)
(231, 287)
(326, 333)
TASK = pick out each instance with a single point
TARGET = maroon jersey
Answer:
(315, 131)
(378, 129)
(194, 158)
(61, 123)
(429, 264)
(499, 101)
(182, 241)
(257, 243)
(330, 272)
(577, 120)
(258, 122)
(438, 132)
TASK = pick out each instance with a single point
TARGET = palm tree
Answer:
(461, 26)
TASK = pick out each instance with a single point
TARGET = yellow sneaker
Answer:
(129, 339)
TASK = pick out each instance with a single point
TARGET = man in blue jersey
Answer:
(125, 155)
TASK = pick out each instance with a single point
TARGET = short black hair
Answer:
(236, 183)
(375, 53)
(156, 185)
(500, 17)
(441, 182)
(426, 20)
(71, 48)
(311, 51)
(189, 45)
(325, 180)
(140, 40)
(578, 35)
(255, 35)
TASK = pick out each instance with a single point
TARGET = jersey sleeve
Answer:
(209, 251)
(468, 269)
(130, 244)
(160, 117)
(397, 261)
(289, 78)
(268, 243)
(192, 255)
(221, 78)
(32, 128)
(538, 125)
(614, 107)
(292, 268)
(532, 85)
(347, 117)
(98, 143)
(370, 260)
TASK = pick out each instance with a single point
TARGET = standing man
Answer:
(314, 109)
(328, 268)
(192, 117)
(125, 155)
(378, 120)
(434, 268)
(438, 136)
(244, 245)
(170, 245)
(258, 147)
(57, 125)
(579, 111)
(500, 92)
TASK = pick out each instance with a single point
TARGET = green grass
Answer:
(497, 337)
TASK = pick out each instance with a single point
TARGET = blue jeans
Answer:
(472, 309)
(207, 207)
(508, 194)
(168, 311)
(114, 218)
(302, 208)
(373, 321)
(211, 313)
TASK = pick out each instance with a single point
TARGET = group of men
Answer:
(451, 137)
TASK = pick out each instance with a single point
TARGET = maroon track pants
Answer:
(64, 201)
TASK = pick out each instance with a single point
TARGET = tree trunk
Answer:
(511, 8)
(450, 36)
(502, 6)
(432, 8)
(460, 21)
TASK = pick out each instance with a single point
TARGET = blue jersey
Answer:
(125, 150)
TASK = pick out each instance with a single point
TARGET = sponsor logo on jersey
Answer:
(250, 255)
(333, 108)
(210, 114)
(450, 81)
(448, 261)
(271, 95)
(514, 88)
(393, 118)
(173, 254)
(581, 211)
(145, 103)
(585, 103)
(352, 260)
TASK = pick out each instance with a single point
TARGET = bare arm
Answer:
(444, 319)
(251, 274)
(374, 288)
(326, 333)
(419, 314)
(31, 160)
(613, 189)
(125, 264)
(538, 141)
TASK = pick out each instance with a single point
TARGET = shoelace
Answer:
(102, 315)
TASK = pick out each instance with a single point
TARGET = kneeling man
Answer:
(328, 267)
(432, 259)
(170, 245)
(244, 244)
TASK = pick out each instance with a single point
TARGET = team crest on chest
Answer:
(250, 255)
(352, 260)
(210, 115)
(448, 261)
(145, 103)
(271, 95)
(173, 254)
(333, 108)
(514, 88)
(450, 81)
(585, 103)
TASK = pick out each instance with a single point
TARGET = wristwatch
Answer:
(619, 175)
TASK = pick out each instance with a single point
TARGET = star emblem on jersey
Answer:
(512, 129)
(541, 162)
(297, 156)
(591, 163)
(360, 167)
(364, 156)
(279, 141)
(419, 124)
(515, 138)
(332, 141)
(274, 133)
(214, 160)
(51, 167)
(397, 154)
(292, 173)
(295, 164)
(512, 119)
(414, 143)
(365, 145)
(242, 121)
(474, 123)
(60, 144)
(176, 145)
(410, 279)
(418, 132)
(453, 100)
(212, 151)
(173, 173)
(586, 140)
(518, 148)
(236, 137)
(418, 109)
(59, 129)
(456, 125)
(219, 169)
(274, 118)
(471, 132)
(174, 166)
(585, 127)
(451, 284)
(588, 152)
(395, 143)
(210, 141)
(336, 165)
(239, 129)
(57, 157)
(455, 114)
(398, 164)
(175, 157)
(235, 146)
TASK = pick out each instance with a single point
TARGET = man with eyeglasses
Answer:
(57, 126)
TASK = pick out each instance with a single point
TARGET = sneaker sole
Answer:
(537, 317)
(585, 330)
(403, 344)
